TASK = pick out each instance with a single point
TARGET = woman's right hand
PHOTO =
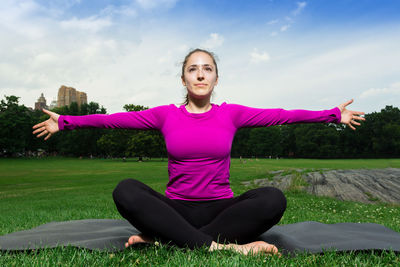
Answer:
(48, 127)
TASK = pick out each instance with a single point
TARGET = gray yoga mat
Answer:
(110, 235)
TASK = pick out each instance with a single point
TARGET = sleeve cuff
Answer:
(61, 123)
(338, 115)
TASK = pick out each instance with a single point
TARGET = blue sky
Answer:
(288, 54)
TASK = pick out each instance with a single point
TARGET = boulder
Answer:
(362, 185)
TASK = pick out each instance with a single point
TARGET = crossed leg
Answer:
(155, 215)
(250, 215)
(240, 220)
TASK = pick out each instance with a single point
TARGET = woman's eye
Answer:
(191, 69)
(208, 69)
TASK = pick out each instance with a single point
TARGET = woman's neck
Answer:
(198, 105)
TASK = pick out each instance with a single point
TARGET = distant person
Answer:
(199, 208)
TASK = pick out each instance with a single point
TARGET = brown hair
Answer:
(211, 54)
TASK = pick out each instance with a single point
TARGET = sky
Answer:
(310, 54)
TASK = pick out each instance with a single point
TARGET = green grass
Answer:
(37, 191)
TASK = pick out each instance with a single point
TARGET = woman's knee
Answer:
(272, 196)
(127, 189)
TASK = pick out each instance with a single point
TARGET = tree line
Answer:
(377, 137)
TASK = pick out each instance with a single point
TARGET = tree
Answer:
(384, 127)
(288, 140)
(114, 142)
(77, 143)
(92, 108)
(265, 141)
(317, 141)
(132, 107)
(15, 126)
(144, 143)
(240, 144)
(135, 143)
(378, 136)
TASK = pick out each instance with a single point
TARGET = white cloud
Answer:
(124, 10)
(300, 8)
(393, 89)
(13, 15)
(112, 67)
(150, 4)
(284, 28)
(311, 76)
(74, 2)
(273, 34)
(64, 3)
(257, 57)
(92, 23)
(289, 20)
(166, 57)
(143, 96)
(215, 40)
(271, 22)
(14, 9)
(135, 59)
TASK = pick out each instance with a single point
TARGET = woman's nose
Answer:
(200, 75)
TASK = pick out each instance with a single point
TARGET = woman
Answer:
(199, 208)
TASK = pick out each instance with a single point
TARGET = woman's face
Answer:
(200, 75)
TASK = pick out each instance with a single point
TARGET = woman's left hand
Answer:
(350, 117)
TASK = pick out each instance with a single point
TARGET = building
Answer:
(53, 104)
(67, 95)
(41, 103)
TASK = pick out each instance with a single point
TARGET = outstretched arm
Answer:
(152, 118)
(48, 127)
(243, 116)
(350, 117)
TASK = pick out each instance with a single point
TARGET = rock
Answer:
(279, 181)
(362, 185)
(276, 172)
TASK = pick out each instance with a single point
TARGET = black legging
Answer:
(197, 223)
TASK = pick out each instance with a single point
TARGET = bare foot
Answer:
(257, 247)
(253, 248)
(136, 239)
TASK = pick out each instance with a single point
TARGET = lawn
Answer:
(37, 191)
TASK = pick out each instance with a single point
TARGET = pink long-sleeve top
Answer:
(198, 145)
